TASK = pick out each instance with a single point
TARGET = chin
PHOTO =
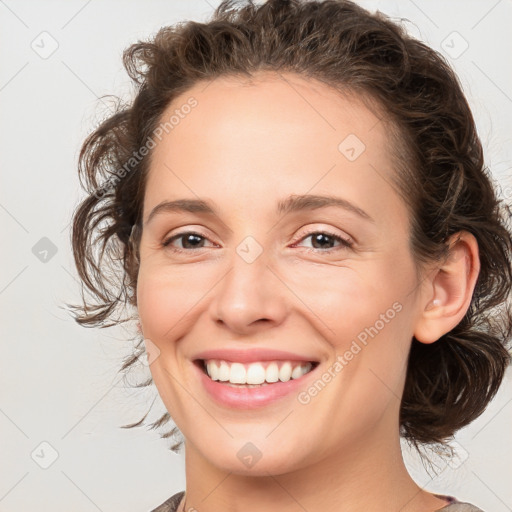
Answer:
(244, 457)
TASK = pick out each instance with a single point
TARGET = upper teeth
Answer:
(256, 373)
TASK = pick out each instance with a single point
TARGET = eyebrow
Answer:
(293, 203)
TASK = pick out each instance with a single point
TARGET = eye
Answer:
(190, 240)
(324, 241)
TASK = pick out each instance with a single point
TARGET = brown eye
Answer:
(325, 241)
(189, 241)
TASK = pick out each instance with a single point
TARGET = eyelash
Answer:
(344, 243)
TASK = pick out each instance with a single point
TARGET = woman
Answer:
(313, 249)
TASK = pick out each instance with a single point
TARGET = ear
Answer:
(448, 289)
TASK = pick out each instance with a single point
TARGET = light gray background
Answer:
(58, 381)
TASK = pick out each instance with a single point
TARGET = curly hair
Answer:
(441, 177)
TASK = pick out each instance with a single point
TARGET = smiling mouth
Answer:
(256, 374)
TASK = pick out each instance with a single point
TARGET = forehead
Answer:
(297, 107)
(279, 133)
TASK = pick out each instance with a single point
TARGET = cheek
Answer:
(364, 314)
(346, 300)
(155, 302)
(167, 297)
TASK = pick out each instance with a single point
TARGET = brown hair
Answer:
(441, 176)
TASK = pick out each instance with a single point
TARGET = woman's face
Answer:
(268, 271)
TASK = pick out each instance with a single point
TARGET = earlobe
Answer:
(448, 289)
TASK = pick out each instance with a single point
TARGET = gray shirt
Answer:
(171, 505)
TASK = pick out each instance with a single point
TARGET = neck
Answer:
(367, 475)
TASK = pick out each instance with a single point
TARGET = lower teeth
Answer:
(245, 385)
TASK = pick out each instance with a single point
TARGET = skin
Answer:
(244, 147)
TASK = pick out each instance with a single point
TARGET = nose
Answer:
(250, 297)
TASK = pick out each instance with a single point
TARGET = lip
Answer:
(251, 398)
(253, 355)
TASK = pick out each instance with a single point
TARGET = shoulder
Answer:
(170, 505)
(459, 506)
